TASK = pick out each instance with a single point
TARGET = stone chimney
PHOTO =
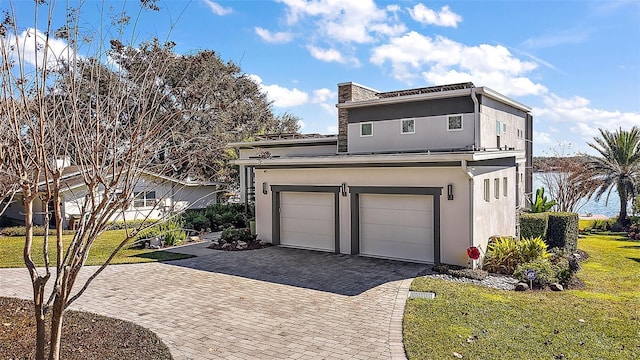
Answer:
(350, 92)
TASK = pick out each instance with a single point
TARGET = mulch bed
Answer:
(84, 335)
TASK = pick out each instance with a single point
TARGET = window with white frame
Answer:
(496, 188)
(144, 198)
(505, 182)
(504, 128)
(454, 123)
(366, 129)
(408, 126)
(487, 190)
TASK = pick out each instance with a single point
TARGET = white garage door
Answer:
(307, 220)
(397, 226)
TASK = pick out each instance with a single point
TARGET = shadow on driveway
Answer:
(336, 273)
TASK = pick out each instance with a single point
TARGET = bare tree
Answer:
(71, 105)
(559, 176)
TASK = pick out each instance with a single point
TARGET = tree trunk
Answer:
(622, 219)
(56, 326)
(38, 283)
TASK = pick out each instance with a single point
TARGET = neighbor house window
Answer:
(408, 126)
(496, 188)
(498, 128)
(504, 128)
(487, 190)
(144, 198)
(366, 129)
(504, 186)
(454, 122)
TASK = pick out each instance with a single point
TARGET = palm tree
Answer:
(618, 167)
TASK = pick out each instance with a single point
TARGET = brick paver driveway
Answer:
(260, 304)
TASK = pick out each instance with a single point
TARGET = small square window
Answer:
(366, 129)
(505, 182)
(408, 126)
(496, 188)
(454, 122)
(144, 199)
(487, 190)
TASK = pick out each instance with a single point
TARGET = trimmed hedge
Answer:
(563, 231)
(534, 225)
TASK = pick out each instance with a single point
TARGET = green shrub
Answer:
(37, 231)
(196, 220)
(534, 225)
(222, 216)
(171, 231)
(502, 256)
(545, 273)
(634, 232)
(130, 224)
(232, 234)
(563, 231)
(530, 249)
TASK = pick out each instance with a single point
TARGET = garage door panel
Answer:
(397, 226)
(408, 251)
(307, 212)
(399, 217)
(394, 233)
(307, 220)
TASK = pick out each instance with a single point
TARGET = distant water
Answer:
(595, 207)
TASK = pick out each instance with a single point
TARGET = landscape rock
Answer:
(226, 246)
(521, 287)
(194, 238)
(215, 243)
(556, 287)
(242, 244)
(263, 243)
(155, 243)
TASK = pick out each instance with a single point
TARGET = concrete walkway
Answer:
(260, 304)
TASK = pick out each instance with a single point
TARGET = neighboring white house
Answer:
(154, 196)
(417, 175)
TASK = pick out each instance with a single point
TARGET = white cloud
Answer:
(327, 55)
(346, 21)
(581, 118)
(543, 138)
(330, 109)
(440, 60)
(425, 15)
(571, 36)
(32, 42)
(332, 129)
(280, 96)
(322, 95)
(274, 38)
(217, 8)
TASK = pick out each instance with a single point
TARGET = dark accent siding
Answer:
(449, 106)
(275, 208)
(362, 165)
(355, 192)
(508, 162)
(491, 103)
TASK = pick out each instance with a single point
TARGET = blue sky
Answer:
(576, 63)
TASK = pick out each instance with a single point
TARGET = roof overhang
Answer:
(399, 158)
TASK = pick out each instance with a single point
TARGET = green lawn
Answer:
(11, 251)
(599, 322)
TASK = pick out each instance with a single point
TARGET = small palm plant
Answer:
(541, 204)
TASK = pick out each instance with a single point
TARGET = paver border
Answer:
(396, 345)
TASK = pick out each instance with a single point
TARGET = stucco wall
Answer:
(497, 216)
(455, 236)
(488, 136)
(430, 134)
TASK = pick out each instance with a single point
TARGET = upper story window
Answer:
(504, 128)
(487, 190)
(454, 122)
(366, 129)
(505, 184)
(408, 126)
(144, 198)
(496, 188)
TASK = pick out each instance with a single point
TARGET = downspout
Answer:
(471, 213)
(476, 120)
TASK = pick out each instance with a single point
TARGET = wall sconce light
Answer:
(343, 189)
(264, 188)
(450, 192)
